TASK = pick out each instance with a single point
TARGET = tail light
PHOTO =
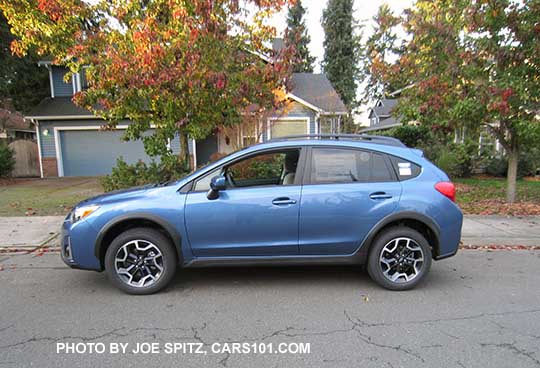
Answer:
(447, 189)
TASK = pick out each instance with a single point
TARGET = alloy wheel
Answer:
(401, 260)
(139, 263)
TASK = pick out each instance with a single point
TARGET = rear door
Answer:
(345, 193)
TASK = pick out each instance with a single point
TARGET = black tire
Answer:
(375, 269)
(168, 255)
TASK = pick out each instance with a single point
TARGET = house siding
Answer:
(61, 88)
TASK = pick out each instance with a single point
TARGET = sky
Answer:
(363, 10)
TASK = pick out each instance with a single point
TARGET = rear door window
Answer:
(336, 165)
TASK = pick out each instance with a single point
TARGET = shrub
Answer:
(497, 166)
(528, 164)
(7, 161)
(456, 159)
(410, 135)
(125, 175)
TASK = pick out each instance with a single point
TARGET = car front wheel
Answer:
(140, 261)
(399, 259)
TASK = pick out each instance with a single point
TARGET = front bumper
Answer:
(77, 244)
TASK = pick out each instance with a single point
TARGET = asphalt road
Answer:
(478, 309)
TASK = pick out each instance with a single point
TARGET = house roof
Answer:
(316, 90)
(58, 107)
(312, 90)
(385, 108)
(13, 121)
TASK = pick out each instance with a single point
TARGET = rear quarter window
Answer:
(404, 168)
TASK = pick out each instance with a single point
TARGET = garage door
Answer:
(94, 152)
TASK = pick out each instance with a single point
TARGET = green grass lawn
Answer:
(482, 195)
(44, 197)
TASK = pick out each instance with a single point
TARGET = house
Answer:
(381, 116)
(72, 143)
(13, 126)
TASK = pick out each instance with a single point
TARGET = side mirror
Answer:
(216, 184)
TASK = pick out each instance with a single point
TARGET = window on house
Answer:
(329, 165)
(329, 125)
(283, 128)
(84, 81)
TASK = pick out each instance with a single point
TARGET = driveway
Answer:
(478, 309)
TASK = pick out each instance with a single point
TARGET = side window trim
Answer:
(309, 160)
(389, 166)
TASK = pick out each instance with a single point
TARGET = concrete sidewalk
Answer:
(29, 232)
(501, 230)
(22, 232)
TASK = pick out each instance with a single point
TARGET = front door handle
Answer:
(283, 201)
(380, 195)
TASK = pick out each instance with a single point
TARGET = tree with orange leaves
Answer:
(181, 66)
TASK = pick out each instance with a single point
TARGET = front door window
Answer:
(273, 168)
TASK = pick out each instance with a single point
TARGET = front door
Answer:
(257, 215)
(347, 191)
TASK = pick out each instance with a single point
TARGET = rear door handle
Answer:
(380, 195)
(283, 201)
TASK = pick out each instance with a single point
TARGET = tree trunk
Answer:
(511, 175)
(184, 151)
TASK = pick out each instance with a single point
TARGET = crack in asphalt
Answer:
(515, 350)
(356, 323)
(357, 326)
(7, 327)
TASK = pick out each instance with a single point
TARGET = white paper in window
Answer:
(404, 168)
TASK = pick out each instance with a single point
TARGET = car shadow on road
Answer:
(273, 278)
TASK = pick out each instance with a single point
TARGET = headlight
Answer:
(82, 212)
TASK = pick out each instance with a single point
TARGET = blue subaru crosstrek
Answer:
(324, 199)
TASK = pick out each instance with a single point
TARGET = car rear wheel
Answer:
(140, 261)
(399, 259)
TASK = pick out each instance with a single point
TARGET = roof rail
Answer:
(378, 139)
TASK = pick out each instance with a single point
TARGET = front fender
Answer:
(134, 217)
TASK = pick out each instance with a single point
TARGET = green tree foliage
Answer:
(7, 161)
(380, 51)
(298, 37)
(475, 64)
(341, 49)
(21, 80)
(182, 66)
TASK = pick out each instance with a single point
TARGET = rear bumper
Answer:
(450, 235)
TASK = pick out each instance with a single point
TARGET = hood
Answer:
(118, 195)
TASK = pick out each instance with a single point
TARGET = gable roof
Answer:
(384, 107)
(317, 91)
